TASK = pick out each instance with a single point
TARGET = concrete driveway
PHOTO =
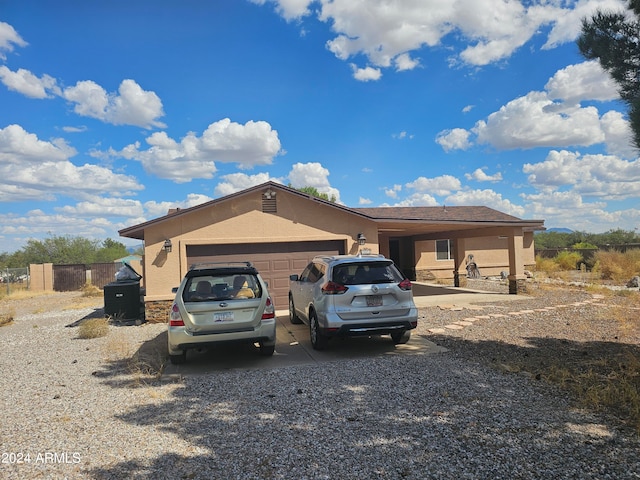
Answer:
(293, 346)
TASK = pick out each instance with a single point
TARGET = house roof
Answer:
(393, 218)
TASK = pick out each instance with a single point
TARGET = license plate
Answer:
(374, 300)
(223, 317)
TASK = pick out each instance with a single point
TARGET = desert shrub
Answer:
(6, 318)
(568, 260)
(93, 328)
(617, 266)
(546, 265)
(90, 290)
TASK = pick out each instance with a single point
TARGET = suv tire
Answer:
(318, 340)
(293, 317)
(267, 350)
(178, 359)
(401, 337)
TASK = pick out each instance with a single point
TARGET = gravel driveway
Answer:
(75, 408)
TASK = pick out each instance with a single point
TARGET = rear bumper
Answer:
(334, 326)
(179, 339)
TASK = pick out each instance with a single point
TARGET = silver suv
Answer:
(352, 295)
(221, 303)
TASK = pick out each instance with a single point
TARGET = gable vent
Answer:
(269, 202)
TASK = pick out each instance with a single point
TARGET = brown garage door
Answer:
(274, 261)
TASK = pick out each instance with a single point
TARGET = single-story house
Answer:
(280, 229)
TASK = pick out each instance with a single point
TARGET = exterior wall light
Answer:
(167, 246)
(362, 240)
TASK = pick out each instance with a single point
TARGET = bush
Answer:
(546, 265)
(568, 260)
(617, 266)
(93, 328)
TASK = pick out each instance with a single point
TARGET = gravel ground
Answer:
(77, 408)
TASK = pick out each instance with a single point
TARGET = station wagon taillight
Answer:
(269, 310)
(333, 288)
(175, 319)
(405, 284)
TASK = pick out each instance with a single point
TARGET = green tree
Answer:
(110, 251)
(614, 39)
(313, 191)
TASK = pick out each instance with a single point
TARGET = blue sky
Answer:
(112, 112)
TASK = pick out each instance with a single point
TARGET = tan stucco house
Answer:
(279, 229)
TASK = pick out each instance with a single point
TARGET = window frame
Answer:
(440, 251)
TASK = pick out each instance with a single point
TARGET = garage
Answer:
(274, 261)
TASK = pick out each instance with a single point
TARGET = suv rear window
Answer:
(363, 273)
(224, 286)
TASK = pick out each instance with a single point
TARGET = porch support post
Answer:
(459, 254)
(517, 278)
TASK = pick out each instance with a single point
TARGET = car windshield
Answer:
(221, 287)
(364, 273)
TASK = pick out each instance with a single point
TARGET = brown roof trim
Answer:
(137, 231)
(444, 215)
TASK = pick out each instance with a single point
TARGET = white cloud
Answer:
(618, 135)
(440, 186)
(416, 200)
(480, 176)
(236, 182)
(393, 191)
(312, 175)
(455, 139)
(364, 201)
(289, 9)
(402, 135)
(603, 176)
(248, 145)
(130, 106)
(583, 81)
(8, 39)
(405, 62)
(155, 209)
(35, 169)
(26, 83)
(366, 74)
(487, 198)
(535, 121)
(104, 207)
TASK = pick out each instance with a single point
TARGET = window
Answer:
(443, 249)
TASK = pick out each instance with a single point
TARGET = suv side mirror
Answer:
(293, 278)
(174, 290)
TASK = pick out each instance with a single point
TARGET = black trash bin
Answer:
(122, 298)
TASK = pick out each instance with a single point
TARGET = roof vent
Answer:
(269, 202)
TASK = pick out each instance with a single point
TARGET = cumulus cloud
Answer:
(155, 209)
(416, 200)
(480, 176)
(236, 182)
(130, 106)
(366, 74)
(248, 145)
(26, 83)
(488, 198)
(386, 33)
(393, 191)
(455, 139)
(442, 185)
(312, 174)
(603, 176)
(583, 81)
(8, 39)
(35, 169)
(536, 121)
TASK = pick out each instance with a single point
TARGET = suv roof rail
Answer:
(214, 264)
(359, 255)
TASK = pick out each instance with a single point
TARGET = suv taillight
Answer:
(269, 310)
(333, 288)
(405, 284)
(175, 319)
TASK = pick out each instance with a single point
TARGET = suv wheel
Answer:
(178, 359)
(318, 340)
(401, 337)
(293, 317)
(267, 350)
